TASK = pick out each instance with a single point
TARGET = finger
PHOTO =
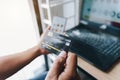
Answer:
(43, 35)
(58, 64)
(71, 63)
(43, 51)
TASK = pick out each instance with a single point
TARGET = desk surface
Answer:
(113, 74)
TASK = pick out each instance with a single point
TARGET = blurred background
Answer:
(17, 33)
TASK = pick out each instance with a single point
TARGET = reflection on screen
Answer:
(102, 11)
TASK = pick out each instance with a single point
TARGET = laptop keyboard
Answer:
(104, 44)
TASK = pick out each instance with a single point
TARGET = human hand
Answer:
(40, 49)
(64, 68)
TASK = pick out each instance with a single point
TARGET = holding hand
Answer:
(64, 68)
(41, 50)
(15, 62)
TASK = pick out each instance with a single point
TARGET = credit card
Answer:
(55, 43)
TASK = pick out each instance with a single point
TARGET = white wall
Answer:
(17, 31)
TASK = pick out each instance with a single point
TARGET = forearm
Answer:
(12, 63)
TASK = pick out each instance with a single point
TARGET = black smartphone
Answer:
(55, 42)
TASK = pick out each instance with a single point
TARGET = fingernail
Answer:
(63, 54)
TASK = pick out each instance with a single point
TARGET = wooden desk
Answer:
(113, 74)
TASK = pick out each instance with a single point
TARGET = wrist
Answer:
(37, 51)
(40, 51)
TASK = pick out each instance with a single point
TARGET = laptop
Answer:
(97, 37)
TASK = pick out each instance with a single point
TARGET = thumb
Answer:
(58, 64)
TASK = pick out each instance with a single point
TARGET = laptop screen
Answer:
(102, 12)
